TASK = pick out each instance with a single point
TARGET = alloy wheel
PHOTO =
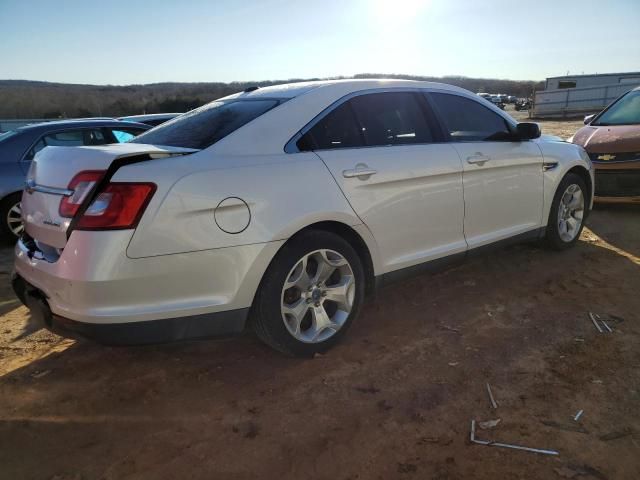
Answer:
(570, 213)
(317, 296)
(14, 219)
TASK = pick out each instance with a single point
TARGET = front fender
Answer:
(559, 158)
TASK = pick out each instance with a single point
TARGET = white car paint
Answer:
(425, 202)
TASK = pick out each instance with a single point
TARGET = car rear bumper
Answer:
(94, 288)
(130, 333)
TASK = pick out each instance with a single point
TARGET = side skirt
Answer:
(440, 264)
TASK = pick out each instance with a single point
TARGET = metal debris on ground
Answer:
(569, 427)
(447, 327)
(489, 424)
(489, 443)
(578, 415)
(494, 404)
(600, 324)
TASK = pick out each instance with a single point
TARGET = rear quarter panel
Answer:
(284, 193)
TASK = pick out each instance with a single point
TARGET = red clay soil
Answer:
(393, 400)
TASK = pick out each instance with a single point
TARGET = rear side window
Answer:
(122, 136)
(339, 129)
(206, 125)
(392, 118)
(469, 121)
(70, 138)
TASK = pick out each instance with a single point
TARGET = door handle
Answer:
(478, 158)
(361, 171)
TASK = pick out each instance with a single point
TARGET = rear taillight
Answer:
(81, 185)
(118, 206)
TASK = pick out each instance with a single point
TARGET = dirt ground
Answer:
(394, 400)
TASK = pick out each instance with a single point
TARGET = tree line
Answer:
(33, 99)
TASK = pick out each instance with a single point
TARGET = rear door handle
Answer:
(361, 171)
(478, 158)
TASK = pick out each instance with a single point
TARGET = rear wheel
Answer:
(11, 226)
(309, 295)
(568, 212)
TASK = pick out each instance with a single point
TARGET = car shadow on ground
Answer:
(622, 228)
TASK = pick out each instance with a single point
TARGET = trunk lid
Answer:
(53, 169)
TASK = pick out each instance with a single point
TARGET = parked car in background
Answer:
(281, 208)
(612, 139)
(18, 148)
(152, 119)
(497, 101)
(522, 104)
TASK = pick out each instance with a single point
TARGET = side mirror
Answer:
(528, 131)
(588, 118)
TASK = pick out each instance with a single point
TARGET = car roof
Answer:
(78, 123)
(149, 116)
(292, 90)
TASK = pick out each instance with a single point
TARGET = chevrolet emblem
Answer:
(606, 157)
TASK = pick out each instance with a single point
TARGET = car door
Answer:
(502, 177)
(403, 183)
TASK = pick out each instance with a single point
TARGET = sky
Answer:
(122, 42)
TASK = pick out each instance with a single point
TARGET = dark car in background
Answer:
(19, 146)
(612, 140)
(152, 119)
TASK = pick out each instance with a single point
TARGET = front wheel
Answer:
(309, 295)
(568, 212)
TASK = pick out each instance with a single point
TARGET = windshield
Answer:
(206, 125)
(626, 111)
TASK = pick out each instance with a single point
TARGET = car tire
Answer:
(568, 213)
(309, 295)
(10, 229)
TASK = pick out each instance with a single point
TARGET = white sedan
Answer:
(281, 208)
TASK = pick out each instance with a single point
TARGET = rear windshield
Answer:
(625, 111)
(206, 125)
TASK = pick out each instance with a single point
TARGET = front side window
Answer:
(206, 125)
(469, 121)
(392, 118)
(625, 111)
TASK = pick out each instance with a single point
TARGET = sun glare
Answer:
(397, 12)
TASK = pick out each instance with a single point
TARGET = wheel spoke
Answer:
(299, 276)
(321, 322)
(296, 313)
(562, 225)
(340, 293)
(576, 200)
(325, 268)
(16, 210)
